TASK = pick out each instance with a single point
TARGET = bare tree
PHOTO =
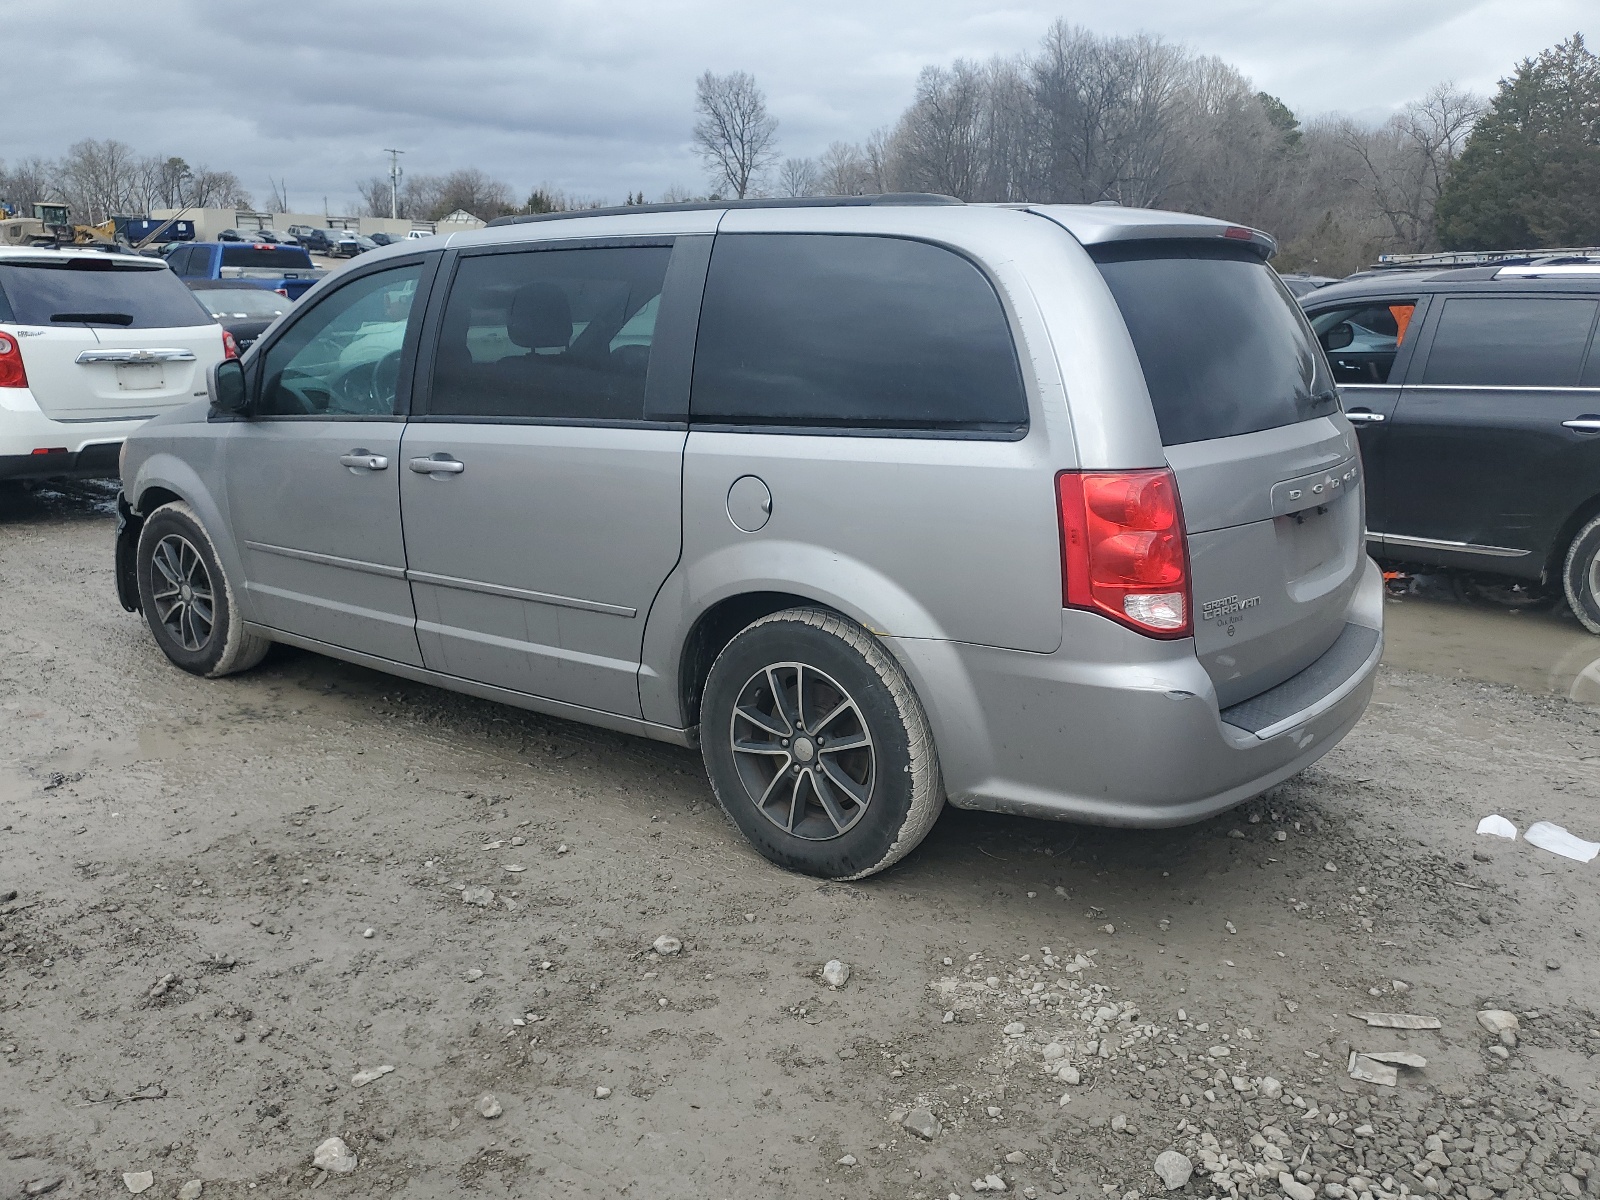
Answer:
(733, 132)
(28, 181)
(100, 179)
(279, 201)
(1404, 163)
(797, 177)
(842, 171)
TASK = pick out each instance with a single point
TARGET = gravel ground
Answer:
(239, 903)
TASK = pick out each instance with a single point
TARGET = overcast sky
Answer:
(595, 96)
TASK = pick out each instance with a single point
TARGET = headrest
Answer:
(540, 316)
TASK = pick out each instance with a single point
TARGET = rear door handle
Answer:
(441, 465)
(1363, 416)
(1588, 423)
(364, 460)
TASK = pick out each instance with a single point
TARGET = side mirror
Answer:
(1340, 336)
(225, 384)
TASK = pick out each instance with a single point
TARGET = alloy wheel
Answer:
(803, 752)
(181, 587)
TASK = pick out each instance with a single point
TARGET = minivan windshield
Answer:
(97, 291)
(1224, 347)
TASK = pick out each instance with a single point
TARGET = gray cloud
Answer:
(594, 97)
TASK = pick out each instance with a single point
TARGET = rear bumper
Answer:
(1116, 729)
(73, 449)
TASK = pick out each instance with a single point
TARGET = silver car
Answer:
(881, 502)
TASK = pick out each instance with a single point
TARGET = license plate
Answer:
(140, 377)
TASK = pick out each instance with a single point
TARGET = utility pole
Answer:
(394, 181)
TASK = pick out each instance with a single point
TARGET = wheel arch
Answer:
(163, 478)
(714, 628)
(1580, 516)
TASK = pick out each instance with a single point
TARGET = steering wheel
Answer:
(368, 387)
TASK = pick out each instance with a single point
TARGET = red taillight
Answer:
(12, 372)
(1239, 232)
(284, 292)
(1123, 549)
(230, 348)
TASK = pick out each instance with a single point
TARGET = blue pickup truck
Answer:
(287, 270)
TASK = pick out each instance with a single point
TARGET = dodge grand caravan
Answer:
(881, 502)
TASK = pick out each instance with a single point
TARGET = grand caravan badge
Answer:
(1228, 608)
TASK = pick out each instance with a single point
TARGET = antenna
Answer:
(394, 181)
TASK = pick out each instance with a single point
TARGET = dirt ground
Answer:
(188, 983)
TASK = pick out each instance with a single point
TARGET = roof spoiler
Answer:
(1108, 224)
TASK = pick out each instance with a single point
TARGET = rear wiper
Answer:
(93, 318)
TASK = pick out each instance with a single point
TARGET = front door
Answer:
(1488, 452)
(1368, 345)
(541, 500)
(313, 474)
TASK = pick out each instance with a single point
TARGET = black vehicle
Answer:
(233, 235)
(385, 239)
(350, 244)
(243, 309)
(1477, 395)
(318, 241)
(1301, 285)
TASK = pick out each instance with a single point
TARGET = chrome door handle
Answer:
(358, 460)
(1583, 424)
(437, 466)
(1361, 416)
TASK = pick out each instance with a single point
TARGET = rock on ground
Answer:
(333, 1155)
(1173, 1169)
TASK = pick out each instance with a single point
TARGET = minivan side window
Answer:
(559, 334)
(1363, 340)
(1510, 341)
(850, 331)
(342, 358)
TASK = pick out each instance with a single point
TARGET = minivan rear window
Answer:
(98, 291)
(1224, 347)
(292, 258)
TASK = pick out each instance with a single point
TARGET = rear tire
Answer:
(1581, 576)
(817, 748)
(187, 600)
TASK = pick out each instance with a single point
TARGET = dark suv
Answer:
(1477, 395)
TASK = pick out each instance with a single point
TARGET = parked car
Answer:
(318, 241)
(416, 235)
(1301, 284)
(349, 244)
(272, 237)
(240, 307)
(91, 345)
(383, 239)
(1048, 511)
(232, 235)
(287, 270)
(1477, 395)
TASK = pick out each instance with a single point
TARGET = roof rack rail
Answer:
(1481, 258)
(909, 199)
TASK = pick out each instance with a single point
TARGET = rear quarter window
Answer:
(99, 291)
(1224, 346)
(853, 332)
(1510, 341)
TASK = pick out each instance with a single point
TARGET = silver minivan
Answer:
(881, 502)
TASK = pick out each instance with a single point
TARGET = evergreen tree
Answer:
(1530, 173)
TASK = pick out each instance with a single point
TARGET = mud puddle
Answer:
(1458, 637)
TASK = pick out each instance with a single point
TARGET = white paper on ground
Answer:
(1497, 826)
(1557, 840)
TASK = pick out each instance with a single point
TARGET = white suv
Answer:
(92, 344)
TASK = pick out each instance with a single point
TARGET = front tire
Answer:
(187, 599)
(1580, 576)
(816, 746)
